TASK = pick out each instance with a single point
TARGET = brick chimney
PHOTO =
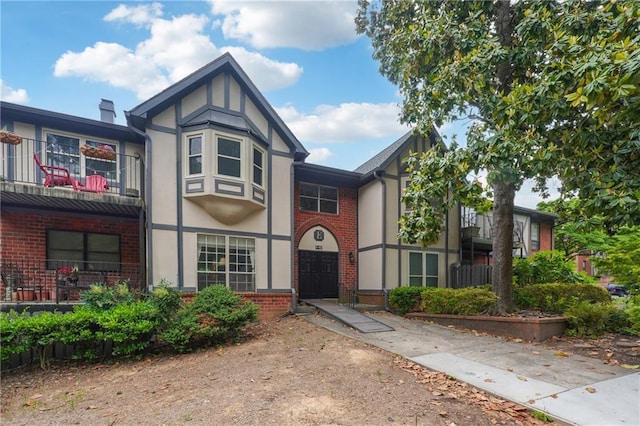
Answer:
(107, 110)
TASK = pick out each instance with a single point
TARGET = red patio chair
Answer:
(56, 175)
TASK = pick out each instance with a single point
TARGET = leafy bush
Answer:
(405, 299)
(215, 316)
(557, 298)
(129, 326)
(465, 301)
(633, 314)
(167, 300)
(591, 319)
(545, 267)
(102, 297)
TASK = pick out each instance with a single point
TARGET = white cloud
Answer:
(9, 94)
(318, 155)
(175, 48)
(307, 25)
(141, 14)
(347, 122)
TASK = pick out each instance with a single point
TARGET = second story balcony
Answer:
(37, 174)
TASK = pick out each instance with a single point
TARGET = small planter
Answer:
(98, 152)
(26, 295)
(10, 138)
(43, 295)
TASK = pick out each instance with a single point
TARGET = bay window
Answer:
(194, 152)
(229, 157)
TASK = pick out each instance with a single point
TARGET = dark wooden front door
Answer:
(317, 274)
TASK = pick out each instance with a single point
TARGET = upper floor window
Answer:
(535, 236)
(229, 157)
(318, 198)
(195, 154)
(64, 151)
(258, 168)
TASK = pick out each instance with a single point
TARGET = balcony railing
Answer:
(124, 174)
(30, 280)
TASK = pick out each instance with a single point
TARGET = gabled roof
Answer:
(224, 63)
(386, 156)
(66, 122)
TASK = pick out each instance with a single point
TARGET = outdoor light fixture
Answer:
(351, 257)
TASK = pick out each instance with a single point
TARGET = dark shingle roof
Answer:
(382, 159)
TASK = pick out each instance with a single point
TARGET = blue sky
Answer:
(304, 56)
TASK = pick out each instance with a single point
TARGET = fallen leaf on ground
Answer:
(590, 390)
(632, 367)
(524, 379)
(560, 353)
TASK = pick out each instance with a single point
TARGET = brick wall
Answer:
(546, 236)
(24, 236)
(343, 226)
(272, 305)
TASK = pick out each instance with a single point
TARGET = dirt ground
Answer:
(286, 372)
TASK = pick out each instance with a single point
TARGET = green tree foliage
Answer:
(554, 88)
(622, 257)
(545, 267)
(572, 234)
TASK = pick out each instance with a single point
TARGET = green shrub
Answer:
(129, 326)
(405, 299)
(589, 319)
(215, 316)
(167, 300)
(11, 334)
(545, 267)
(102, 297)
(557, 298)
(633, 314)
(465, 301)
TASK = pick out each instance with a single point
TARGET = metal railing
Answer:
(29, 280)
(124, 173)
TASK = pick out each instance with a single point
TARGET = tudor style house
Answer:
(207, 185)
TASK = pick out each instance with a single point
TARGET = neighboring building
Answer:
(206, 184)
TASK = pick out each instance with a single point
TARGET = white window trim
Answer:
(82, 140)
(423, 259)
(264, 166)
(318, 198)
(243, 156)
(203, 153)
(227, 256)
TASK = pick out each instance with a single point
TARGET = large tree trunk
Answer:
(504, 194)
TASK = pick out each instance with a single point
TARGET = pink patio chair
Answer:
(56, 175)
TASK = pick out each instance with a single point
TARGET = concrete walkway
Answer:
(573, 389)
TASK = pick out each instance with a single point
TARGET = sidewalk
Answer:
(573, 389)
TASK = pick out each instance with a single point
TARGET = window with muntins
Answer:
(88, 250)
(318, 198)
(64, 151)
(228, 261)
(423, 269)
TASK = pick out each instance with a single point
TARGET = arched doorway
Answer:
(318, 264)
